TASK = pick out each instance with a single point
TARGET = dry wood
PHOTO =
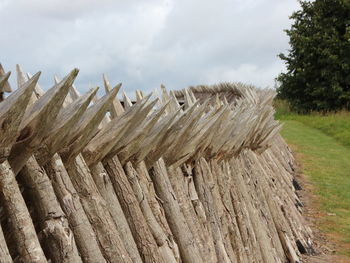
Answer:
(58, 238)
(159, 235)
(203, 186)
(193, 211)
(143, 237)
(188, 249)
(37, 120)
(220, 185)
(224, 182)
(87, 127)
(4, 251)
(4, 85)
(105, 187)
(113, 134)
(28, 246)
(116, 108)
(97, 211)
(157, 208)
(11, 113)
(68, 197)
(60, 130)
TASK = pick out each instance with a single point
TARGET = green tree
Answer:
(318, 63)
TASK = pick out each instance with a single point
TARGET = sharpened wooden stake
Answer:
(43, 111)
(70, 202)
(143, 237)
(58, 238)
(28, 246)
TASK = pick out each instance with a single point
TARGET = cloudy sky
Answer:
(145, 43)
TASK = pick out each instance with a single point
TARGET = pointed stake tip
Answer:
(74, 72)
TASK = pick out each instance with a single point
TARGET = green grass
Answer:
(336, 125)
(326, 164)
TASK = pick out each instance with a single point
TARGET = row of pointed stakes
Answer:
(82, 135)
(60, 120)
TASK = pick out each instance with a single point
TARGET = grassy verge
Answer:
(326, 164)
(336, 125)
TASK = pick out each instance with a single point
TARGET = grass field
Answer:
(336, 125)
(322, 144)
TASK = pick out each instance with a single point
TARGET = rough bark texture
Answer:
(97, 212)
(204, 188)
(104, 185)
(70, 202)
(28, 245)
(161, 238)
(197, 175)
(193, 211)
(58, 239)
(188, 249)
(4, 251)
(138, 225)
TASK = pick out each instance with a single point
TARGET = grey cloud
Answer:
(145, 43)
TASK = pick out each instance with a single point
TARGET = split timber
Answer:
(196, 175)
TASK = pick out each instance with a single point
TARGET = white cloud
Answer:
(145, 43)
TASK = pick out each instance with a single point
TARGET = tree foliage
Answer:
(318, 63)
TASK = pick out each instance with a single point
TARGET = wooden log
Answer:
(163, 242)
(11, 113)
(188, 249)
(280, 226)
(259, 229)
(4, 251)
(132, 149)
(59, 131)
(105, 187)
(206, 196)
(5, 86)
(224, 182)
(97, 211)
(193, 211)
(142, 235)
(152, 143)
(38, 91)
(116, 108)
(112, 133)
(87, 127)
(68, 197)
(57, 238)
(127, 101)
(72, 95)
(37, 120)
(156, 206)
(21, 79)
(28, 246)
(221, 210)
(243, 218)
(134, 127)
